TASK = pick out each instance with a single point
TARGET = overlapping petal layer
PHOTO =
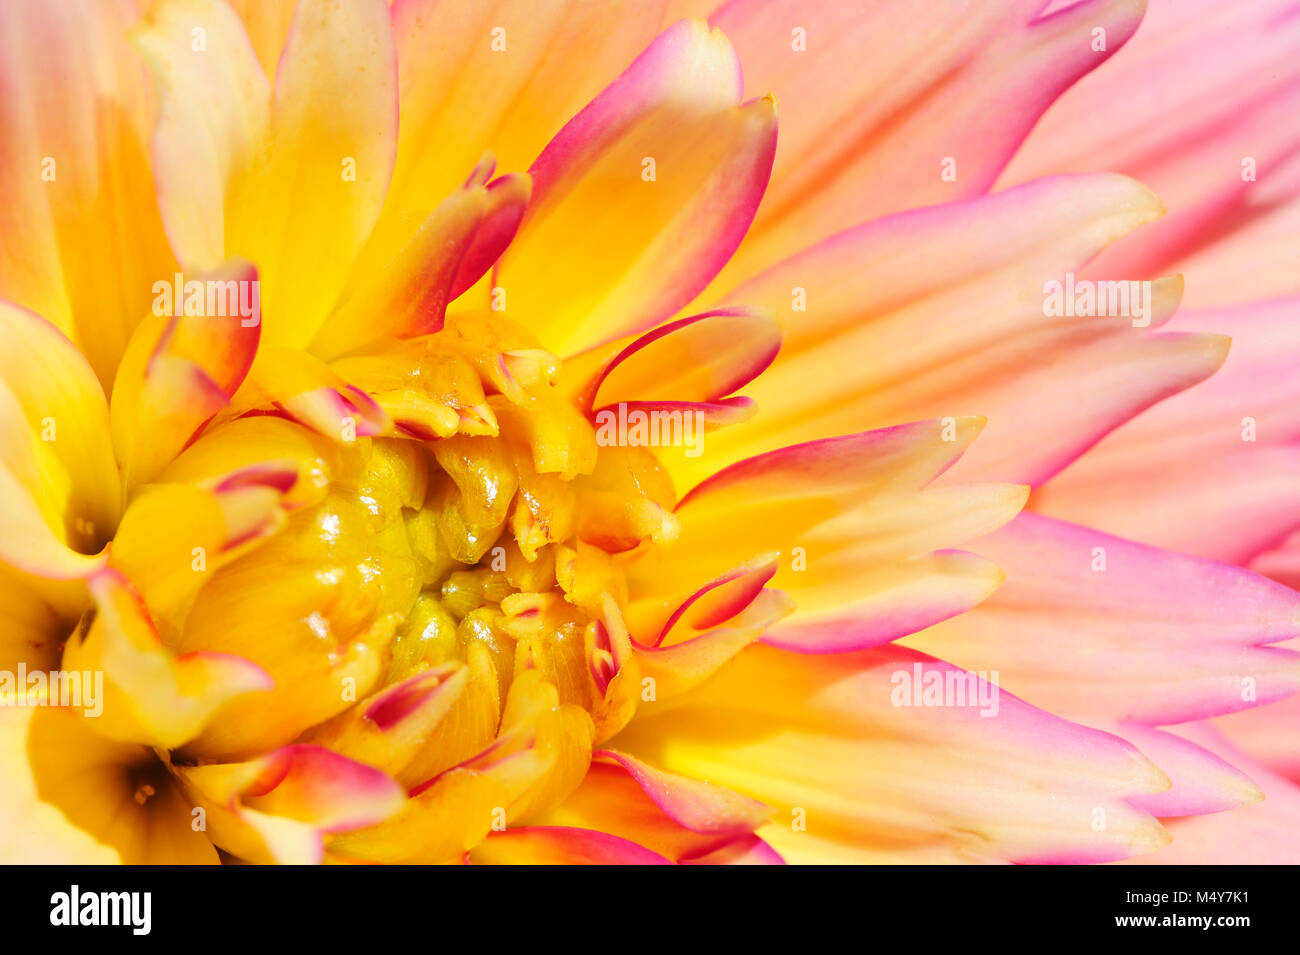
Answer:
(1198, 107)
(848, 762)
(974, 276)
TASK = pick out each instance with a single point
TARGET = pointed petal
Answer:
(307, 390)
(151, 696)
(870, 135)
(613, 800)
(698, 805)
(208, 527)
(389, 729)
(1160, 478)
(1262, 834)
(860, 535)
(1210, 131)
(1084, 618)
(700, 358)
(1202, 782)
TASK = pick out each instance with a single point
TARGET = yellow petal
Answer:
(59, 490)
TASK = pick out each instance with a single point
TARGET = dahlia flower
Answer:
(458, 431)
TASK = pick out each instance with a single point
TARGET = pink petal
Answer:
(1160, 478)
(1202, 782)
(279, 807)
(1085, 618)
(1266, 833)
(1201, 89)
(882, 92)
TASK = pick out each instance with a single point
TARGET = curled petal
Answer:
(151, 696)
(699, 806)
(180, 370)
(696, 359)
(281, 806)
(389, 729)
(59, 489)
(669, 148)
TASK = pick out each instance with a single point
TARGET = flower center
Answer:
(491, 532)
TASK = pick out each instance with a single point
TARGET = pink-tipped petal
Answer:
(642, 196)
(1267, 833)
(644, 809)
(863, 542)
(181, 368)
(279, 807)
(507, 198)
(152, 696)
(1202, 782)
(699, 359)
(698, 805)
(406, 295)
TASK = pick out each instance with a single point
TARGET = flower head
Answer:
(389, 508)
